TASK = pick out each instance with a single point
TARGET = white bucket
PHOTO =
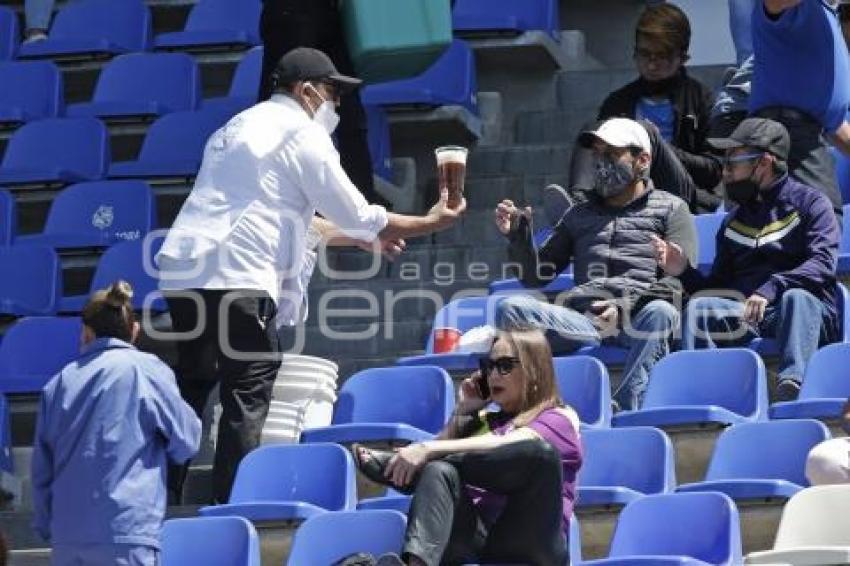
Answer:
(313, 360)
(303, 397)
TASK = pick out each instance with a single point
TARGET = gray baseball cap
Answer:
(760, 133)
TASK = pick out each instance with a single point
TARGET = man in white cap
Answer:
(620, 297)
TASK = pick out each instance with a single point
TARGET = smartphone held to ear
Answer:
(482, 386)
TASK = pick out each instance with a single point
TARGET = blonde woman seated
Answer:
(492, 486)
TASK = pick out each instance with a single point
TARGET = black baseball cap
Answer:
(307, 64)
(760, 133)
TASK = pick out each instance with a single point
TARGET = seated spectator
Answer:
(522, 461)
(829, 462)
(801, 78)
(107, 423)
(37, 15)
(776, 250)
(621, 296)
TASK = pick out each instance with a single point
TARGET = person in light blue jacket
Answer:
(107, 425)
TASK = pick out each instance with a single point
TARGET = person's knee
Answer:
(440, 472)
(659, 315)
(513, 311)
(829, 462)
(796, 298)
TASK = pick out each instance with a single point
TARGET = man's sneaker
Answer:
(787, 390)
(35, 35)
(556, 201)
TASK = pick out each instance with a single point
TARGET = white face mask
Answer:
(325, 115)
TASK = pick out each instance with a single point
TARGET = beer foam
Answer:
(451, 156)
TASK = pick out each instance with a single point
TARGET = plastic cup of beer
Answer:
(451, 171)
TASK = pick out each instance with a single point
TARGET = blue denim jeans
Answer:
(646, 337)
(740, 18)
(796, 321)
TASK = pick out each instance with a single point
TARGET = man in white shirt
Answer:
(240, 237)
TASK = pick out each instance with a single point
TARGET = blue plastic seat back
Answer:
(77, 144)
(464, 314)
(828, 373)
(212, 541)
(772, 450)
(584, 385)
(171, 79)
(8, 218)
(379, 142)
(451, 80)
(125, 24)
(8, 33)
(704, 526)
(32, 89)
(112, 210)
(34, 349)
(639, 458)
(422, 397)
(732, 378)
(246, 78)
(31, 282)
(215, 15)
(182, 135)
(127, 261)
(707, 226)
(320, 474)
(514, 15)
(330, 537)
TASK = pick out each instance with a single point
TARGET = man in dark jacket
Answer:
(672, 106)
(776, 250)
(621, 297)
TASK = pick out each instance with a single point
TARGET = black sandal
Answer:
(374, 465)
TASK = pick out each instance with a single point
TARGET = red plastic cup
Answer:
(446, 340)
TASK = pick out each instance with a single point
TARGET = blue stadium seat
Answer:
(842, 172)
(32, 90)
(34, 349)
(825, 389)
(245, 86)
(283, 482)
(761, 460)
(31, 282)
(462, 314)
(328, 538)
(127, 261)
(844, 246)
(97, 214)
(707, 226)
(449, 81)
(563, 282)
(212, 541)
(379, 142)
(174, 145)
(94, 28)
(770, 347)
(702, 386)
(216, 23)
(513, 16)
(624, 464)
(139, 85)
(677, 528)
(8, 218)
(392, 500)
(584, 385)
(394, 403)
(56, 150)
(8, 33)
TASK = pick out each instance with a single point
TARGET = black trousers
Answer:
(444, 527)
(237, 348)
(287, 24)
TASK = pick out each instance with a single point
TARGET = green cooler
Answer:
(395, 39)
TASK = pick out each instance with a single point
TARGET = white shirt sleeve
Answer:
(331, 192)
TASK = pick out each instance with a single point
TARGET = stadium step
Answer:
(483, 193)
(542, 159)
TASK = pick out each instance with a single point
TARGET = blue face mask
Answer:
(612, 177)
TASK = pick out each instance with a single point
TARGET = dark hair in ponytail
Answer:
(109, 312)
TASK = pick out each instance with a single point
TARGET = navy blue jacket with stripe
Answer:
(785, 239)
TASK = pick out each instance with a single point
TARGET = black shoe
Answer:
(374, 464)
(787, 390)
(556, 202)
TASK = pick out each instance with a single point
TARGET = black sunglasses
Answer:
(505, 365)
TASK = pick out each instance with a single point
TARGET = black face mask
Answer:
(743, 191)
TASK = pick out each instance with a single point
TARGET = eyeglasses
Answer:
(505, 365)
(729, 161)
(649, 56)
